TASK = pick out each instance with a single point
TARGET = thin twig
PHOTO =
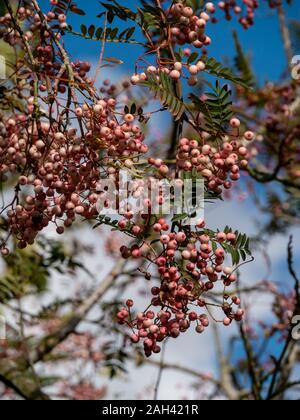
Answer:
(285, 33)
(160, 371)
(47, 344)
(99, 64)
(292, 271)
(290, 343)
(225, 369)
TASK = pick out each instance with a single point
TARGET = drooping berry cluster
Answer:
(190, 266)
(59, 170)
(214, 163)
(232, 6)
(186, 28)
(189, 28)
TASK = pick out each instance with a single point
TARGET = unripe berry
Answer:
(23, 180)
(235, 123)
(164, 239)
(200, 65)
(60, 230)
(210, 7)
(164, 170)
(249, 135)
(193, 36)
(175, 75)
(193, 70)
(152, 69)
(157, 227)
(187, 12)
(199, 329)
(129, 303)
(4, 252)
(227, 321)
(186, 255)
(205, 16)
(201, 23)
(135, 79)
(134, 338)
(227, 270)
(178, 66)
(200, 223)
(136, 253)
(129, 118)
(221, 236)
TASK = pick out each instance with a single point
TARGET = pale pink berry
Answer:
(200, 223)
(193, 70)
(175, 75)
(186, 255)
(235, 123)
(249, 135)
(227, 321)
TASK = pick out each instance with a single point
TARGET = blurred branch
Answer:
(285, 33)
(16, 372)
(288, 355)
(293, 273)
(285, 388)
(160, 372)
(256, 387)
(225, 369)
(251, 360)
(13, 375)
(47, 344)
(265, 177)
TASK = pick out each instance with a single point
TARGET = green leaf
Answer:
(119, 11)
(133, 109)
(180, 217)
(99, 33)
(214, 68)
(130, 32)
(242, 62)
(76, 10)
(164, 91)
(113, 60)
(193, 57)
(83, 29)
(113, 33)
(216, 109)
(91, 31)
(2, 9)
(214, 246)
(239, 250)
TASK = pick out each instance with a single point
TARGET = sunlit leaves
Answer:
(215, 108)
(164, 92)
(214, 68)
(242, 62)
(117, 10)
(240, 250)
(109, 34)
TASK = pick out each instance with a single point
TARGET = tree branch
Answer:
(47, 344)
(285, 34)
(15, 375)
